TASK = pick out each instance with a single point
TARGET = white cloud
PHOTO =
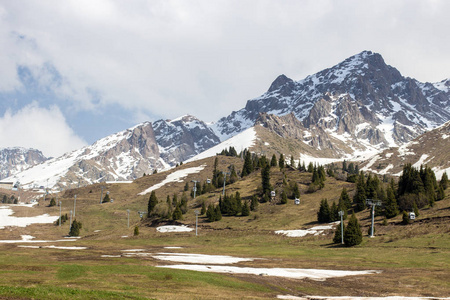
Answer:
(39, 128)
(207, 58)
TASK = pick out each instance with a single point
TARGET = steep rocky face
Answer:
(182, 138)
(361, 98)
(14, 160)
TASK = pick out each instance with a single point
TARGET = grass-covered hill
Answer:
(413, 260)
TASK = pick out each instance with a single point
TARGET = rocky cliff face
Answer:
(15, 160)
(362, 101)
(183, 138)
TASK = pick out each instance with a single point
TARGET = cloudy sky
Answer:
(74, 71)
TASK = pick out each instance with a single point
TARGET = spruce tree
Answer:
(344, 200)
(283, 197)
(52, 202)
(391, 207)
(245, 210)
(211, 213)
(248, 165)
(254, 203)
(292, 163)
(337, 239)
(75, 228)
(136, 230)
(281, 161)
(360, 196)
(106, 198)
(265, 178)
(352, 234)
(444, 181)
(152, 201)
(323, 215)
(217, 214)
(177, 213)
(203, 210)
(273, 161)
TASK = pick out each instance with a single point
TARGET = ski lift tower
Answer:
(195, 186)
(373, 203)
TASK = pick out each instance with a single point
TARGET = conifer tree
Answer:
(283, 197)
(211, 213)
(310, 167)
(106, 198)
(440, 193)
(405, 218)
(152, 201)
(281, 161)
(203, 210)
(75, 228)
(334, 212)
(265, 178)
(248, 165)
(391, 207)
(292, 163)
(217, 214)
(52, 202)
(352, 234)
(254, 203)
(136, 230)
(360, 196)
(273, 161)
(344, 200)
(444, 181)
(337, 239)
(323, 215)
(177, 213)
(245, 209)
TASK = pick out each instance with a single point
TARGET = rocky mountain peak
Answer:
(17, 159)
(278, 82)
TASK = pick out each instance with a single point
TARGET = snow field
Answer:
(301, 233)
(173, 228)
(6, 219)
(176, 176)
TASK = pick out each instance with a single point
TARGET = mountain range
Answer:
(353, 110)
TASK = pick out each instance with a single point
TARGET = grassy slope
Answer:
(415, 259)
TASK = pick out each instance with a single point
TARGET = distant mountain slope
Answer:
(362, 101)
(125, 155)
(15, 160)
(431, 148)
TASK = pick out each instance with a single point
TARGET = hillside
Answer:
(399, 254)
(429, 149)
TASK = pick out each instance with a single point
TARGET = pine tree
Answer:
(211, 213)
(265, 178)
(352, 234)
(337, 239)
(177, 213)
(323, 215)
(248, 165)
(405, 218)
(281, 161)
(136, 230)
(75, 228)
(254, 203)
(106, 198)
(344, 200)
(203, 210)
(292, 163)
(334, 212)
(52, 202)
(152, 201)
(444, 181)
(360, 196)
(217, 214)
(273, 161)
(391, 207)
(245, 210)
(440, 193)
(283, 197)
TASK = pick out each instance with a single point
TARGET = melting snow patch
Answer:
(133, 250)
(421, 161)
(200, 258)
(173, 228)
(30, 239)
(313, 274)
(300, 233)
(111, 255)
(173, 247)
(6, 219)
(176, 176)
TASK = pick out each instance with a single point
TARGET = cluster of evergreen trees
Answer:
(9, 200)
(327, 213)
(61, 220)
(172, 209)
(318, 179)
(352, 233)
(416, 189)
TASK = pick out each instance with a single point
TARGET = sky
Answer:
(75, 71)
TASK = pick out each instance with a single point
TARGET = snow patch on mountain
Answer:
(245, 139)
